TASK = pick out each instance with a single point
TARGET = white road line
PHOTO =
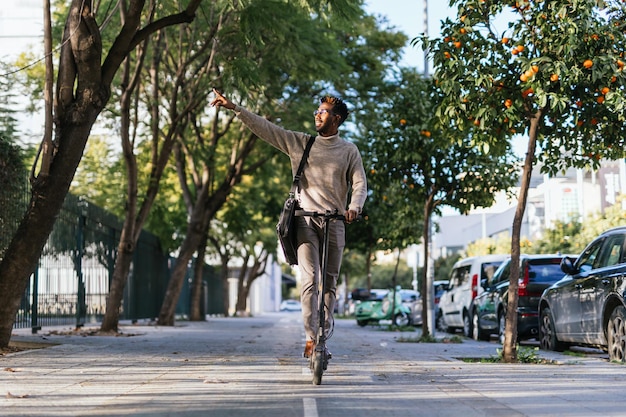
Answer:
(310, 407)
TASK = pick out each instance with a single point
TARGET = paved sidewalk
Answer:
(253, 367)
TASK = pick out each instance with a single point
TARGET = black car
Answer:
(587, 306)
(488, 312)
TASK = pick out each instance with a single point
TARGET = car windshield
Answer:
(488, 269)
(545, 270)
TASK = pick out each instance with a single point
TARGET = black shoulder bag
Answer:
(286, 227)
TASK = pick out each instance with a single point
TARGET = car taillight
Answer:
(474, 286)
(522, 290)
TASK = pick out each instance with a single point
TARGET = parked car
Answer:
(374, 310)
(587, 306)
(290, 305)
(537, 272)
(413, 301)
(464, 286)
(358, 295)
(440, 287)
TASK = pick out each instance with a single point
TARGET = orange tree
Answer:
(554, 75)
(418, 166)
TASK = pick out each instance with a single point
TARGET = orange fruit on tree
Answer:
(523, 78)
(605, 90)
(447, 54)
(463, 31)
(600, 99)
(535, 68)
(554, 77)
(457, 44)
(505, 41)
(588, 63)
(520, 48)
(508, 103)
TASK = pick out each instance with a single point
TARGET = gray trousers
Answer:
(310, 246)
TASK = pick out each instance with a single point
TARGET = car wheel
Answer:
(477, 332)
(441, 323)
(467, 325)
(547, 332)
(362, 323)
(616, 335)
(403, 320)
(501, 326)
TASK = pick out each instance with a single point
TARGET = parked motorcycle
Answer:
(372, 311)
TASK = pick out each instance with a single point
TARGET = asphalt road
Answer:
(252, 367)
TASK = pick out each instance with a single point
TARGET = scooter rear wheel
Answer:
(317, 362)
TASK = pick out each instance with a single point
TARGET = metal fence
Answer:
(71, 282)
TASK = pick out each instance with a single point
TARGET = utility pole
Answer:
(425, 35)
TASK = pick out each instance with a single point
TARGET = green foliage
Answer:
(8, 122)
(562, 237)
(443, 267)
(525, 354)
(13, 190)
(382, 276)
(489, 245)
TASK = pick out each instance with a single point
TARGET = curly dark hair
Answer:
(339, 107)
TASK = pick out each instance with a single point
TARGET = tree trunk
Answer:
(247, 278)
(509, 348)
(128, 241)
(243, 288)
(121, 270)
(195, 231)
(196, 313)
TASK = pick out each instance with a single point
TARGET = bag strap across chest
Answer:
(305, 155)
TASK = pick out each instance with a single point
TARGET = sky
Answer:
(408, 16)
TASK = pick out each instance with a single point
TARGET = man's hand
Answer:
(221, 101)
(351, 215)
